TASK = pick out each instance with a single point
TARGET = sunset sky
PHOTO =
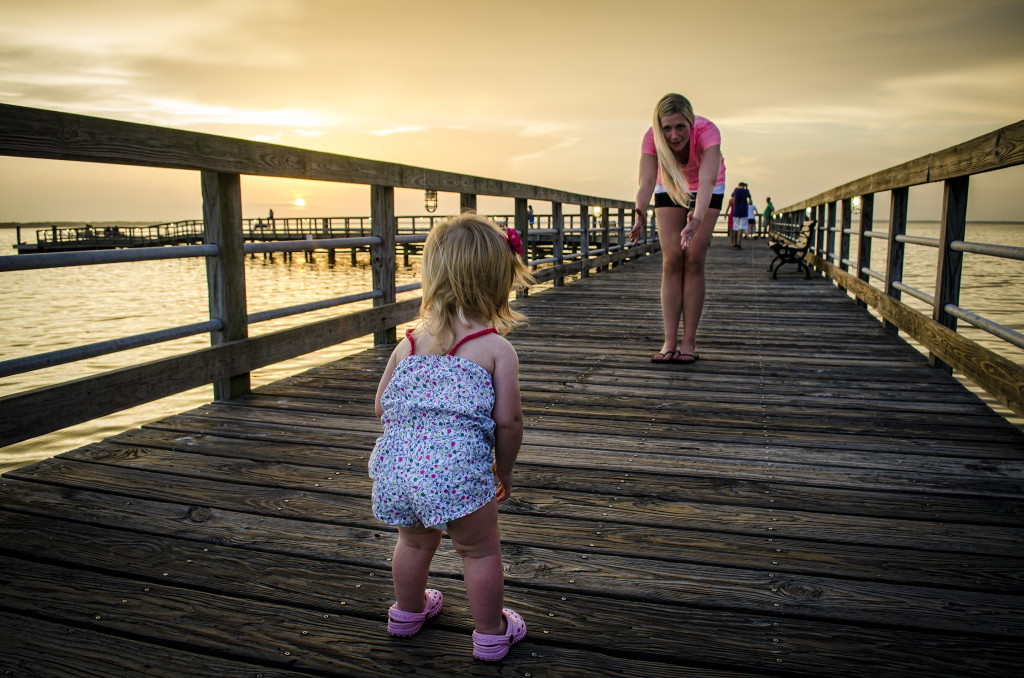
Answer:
(807, 94)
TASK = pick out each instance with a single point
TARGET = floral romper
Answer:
(433, 462)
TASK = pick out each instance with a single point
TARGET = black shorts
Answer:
(663, 200)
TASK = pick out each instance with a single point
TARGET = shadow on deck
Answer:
(807, 499)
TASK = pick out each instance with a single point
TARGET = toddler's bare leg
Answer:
(410, 566)
(477, 539)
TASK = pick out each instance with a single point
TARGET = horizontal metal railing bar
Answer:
(914, 292)
(309, 245)
(27, 262)
(538, 262)
(850, 231)
(990, 326)
(876, 234)
(410, 239)
(918, 240)
(286, 311)
(873, 273)
(1001, 251)
(850, 263)
(69, 355)
(274, 314)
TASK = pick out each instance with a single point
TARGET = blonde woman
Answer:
(681, 165)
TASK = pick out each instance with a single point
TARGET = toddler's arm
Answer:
(507, 415)
(400, 352)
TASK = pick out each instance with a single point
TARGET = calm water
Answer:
(65, 307)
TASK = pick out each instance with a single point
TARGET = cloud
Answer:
(189, 114)
(398, 130)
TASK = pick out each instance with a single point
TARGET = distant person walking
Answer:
(766, 216)
(681, 165)
(737, 209)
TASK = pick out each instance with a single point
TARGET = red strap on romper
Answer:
(412, 342)
(489, 330)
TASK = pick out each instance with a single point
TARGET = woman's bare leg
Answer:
(671, 221)
(694, 282)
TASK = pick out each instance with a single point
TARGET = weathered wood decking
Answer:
(809, 499)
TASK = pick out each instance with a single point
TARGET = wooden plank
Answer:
(46, 649)
(994, 486)
(162, 607)
(296, 499)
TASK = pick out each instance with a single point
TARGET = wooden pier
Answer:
(808, 499)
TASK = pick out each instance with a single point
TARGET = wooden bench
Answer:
(790, 243)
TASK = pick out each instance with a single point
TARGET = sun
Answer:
(300, 202)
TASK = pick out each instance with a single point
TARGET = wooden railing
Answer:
(220, 162)
(1003, 148)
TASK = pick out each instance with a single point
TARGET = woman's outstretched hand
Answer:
(692, 224)
(639, 222)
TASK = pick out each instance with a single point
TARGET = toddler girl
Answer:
(449, 394)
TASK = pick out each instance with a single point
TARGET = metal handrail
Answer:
(68, 355)
(990, 326)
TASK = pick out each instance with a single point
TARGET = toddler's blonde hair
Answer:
(469, 270)
(671, 176)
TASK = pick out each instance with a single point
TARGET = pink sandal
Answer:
(493, 648)
(402, 623)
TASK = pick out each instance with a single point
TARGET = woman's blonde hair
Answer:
(469, 270)
(671, 176)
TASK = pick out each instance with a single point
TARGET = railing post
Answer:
(947, 278)
(867, 218)
(225, 273)
(621, 223)
(819, 228)
(467, 201)
(558, 223)
(521, 223)
(584, 240)
(894, 257)
(830, 250)
(382, 256)
(844, 234)
(605, 239)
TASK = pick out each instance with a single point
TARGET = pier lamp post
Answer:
(430, 200)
